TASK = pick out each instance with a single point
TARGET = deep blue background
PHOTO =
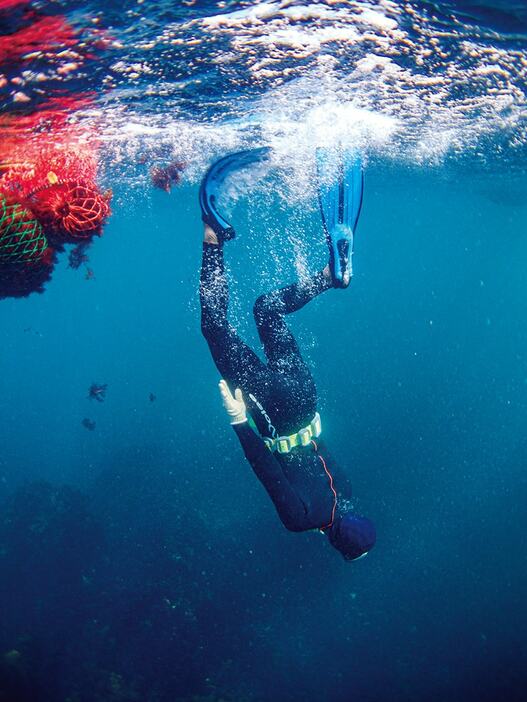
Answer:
(177, 578)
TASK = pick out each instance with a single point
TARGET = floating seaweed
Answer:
(164, 177)
(97, 392)
(78, 256)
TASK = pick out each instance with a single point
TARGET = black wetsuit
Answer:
(281, 396)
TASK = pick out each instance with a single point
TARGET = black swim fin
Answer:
(211, 187)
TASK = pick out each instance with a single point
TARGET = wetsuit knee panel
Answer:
(209, 328)
(264, 310)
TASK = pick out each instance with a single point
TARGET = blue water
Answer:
(142, 561)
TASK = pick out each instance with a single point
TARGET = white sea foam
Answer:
(261, 11)
(377, 75)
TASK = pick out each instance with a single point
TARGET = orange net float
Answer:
(71, 211)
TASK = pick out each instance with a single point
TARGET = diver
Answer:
(273, 406)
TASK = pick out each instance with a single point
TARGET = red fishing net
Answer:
(54, 169)
(48, 154)
(71, 211)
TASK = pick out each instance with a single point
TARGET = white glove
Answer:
(235, 406)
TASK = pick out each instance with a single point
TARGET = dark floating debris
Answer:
(30, 330)
(152, 397)
(89, 424)
(97, 392)
(78, 256)
(165, 177)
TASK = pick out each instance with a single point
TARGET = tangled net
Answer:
(71, 211)
(26, 260)
(21, 281)
(22, 240)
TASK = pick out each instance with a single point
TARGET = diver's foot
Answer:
(210, 236)
(341, 252)
(342, 280)
(340, 198)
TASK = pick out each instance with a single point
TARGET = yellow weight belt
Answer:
(284, 444)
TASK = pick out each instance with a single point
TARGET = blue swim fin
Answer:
(340, 198)
(211, 187)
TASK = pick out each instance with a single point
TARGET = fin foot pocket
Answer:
(345, 269)
(340, 190)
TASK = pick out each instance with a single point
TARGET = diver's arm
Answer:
(290, 508)
(269, 472)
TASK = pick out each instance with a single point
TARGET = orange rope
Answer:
(331, 487)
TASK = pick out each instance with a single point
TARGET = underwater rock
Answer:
(48, 540)
(16, 684)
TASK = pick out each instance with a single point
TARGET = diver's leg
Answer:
(280, 346)
(236, 362)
